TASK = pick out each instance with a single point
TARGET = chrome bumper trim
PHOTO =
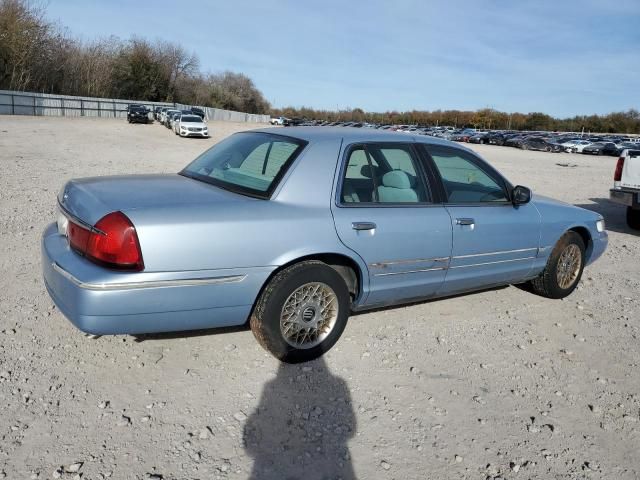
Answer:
(188, 282)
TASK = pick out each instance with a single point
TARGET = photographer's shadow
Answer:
(301, 426)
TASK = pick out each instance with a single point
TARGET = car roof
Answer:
(353, 134)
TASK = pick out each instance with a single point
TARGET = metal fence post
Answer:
(34, 105)
(13, 105)
(81, 108)
(62, 107)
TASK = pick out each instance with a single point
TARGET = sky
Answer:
(562, 57)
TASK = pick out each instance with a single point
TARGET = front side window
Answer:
(251, 163)
(465, 181)
(382, 174)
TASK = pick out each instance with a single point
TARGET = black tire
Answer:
(633, 218)
(265, 318)
(546, 284)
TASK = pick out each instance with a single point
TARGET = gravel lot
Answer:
(498, 384)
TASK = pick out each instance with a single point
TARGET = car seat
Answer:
(397, 188)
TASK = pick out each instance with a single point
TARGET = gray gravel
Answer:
(499, 384)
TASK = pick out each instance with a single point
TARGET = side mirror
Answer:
(520, 195)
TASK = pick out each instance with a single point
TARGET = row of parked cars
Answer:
(611, 145)
(184, 122)
(556, 142)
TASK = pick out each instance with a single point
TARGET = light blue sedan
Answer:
(292, 230)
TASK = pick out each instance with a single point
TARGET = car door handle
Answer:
(363, 225)
(465, 221)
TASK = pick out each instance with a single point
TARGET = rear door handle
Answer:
(363, 225)
(465, 221)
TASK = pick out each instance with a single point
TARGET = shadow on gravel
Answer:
(301, 427)
(189, 333)
(429, 300)
(614, 214)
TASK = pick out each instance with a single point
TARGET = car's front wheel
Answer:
(564, 268)
(302, 312)
(633, 218)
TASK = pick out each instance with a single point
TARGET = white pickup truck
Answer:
(626, 185)
(278, 121)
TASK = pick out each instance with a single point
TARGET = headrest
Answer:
(396, 179)
(369, 171)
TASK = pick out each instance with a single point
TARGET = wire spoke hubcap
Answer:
(569, 265)
(309, 315)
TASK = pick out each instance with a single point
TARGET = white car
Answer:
(575, 146)
(191, 126)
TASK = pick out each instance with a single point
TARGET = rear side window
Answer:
(383, 174)
(465, 179)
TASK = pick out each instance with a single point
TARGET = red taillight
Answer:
(617, 176)
(112, 242)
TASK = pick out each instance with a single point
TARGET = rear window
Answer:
(249, 163)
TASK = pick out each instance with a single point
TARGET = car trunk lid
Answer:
(90, 199)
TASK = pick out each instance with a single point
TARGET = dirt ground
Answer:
(498, 384)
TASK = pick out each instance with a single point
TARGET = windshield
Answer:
(190, 118)
(251, 163)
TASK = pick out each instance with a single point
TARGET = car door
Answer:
(494, 242)
(385, 212)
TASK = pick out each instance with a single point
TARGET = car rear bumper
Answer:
(102, 302)
(630, 198)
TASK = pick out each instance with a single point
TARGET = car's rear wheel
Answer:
(564, 268)
(633, 218)
(302, 312)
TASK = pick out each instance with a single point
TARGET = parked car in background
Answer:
(576, 146)
(540, 144)
(137, 114)
(156, 113)
(292, 122)
(168, 115)
(199, 112)
(601, 148)
(514, 141)
(480, 137)
(294, 232)
(163, 114)
(626, 185)
(278, 121)
(190, 126)
(496, 138)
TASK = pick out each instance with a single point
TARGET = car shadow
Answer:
(301, 426)
(143, 337)
(429, 300)
(615, 215)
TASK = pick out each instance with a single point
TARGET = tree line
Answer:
(617, 122)
(40, 56)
